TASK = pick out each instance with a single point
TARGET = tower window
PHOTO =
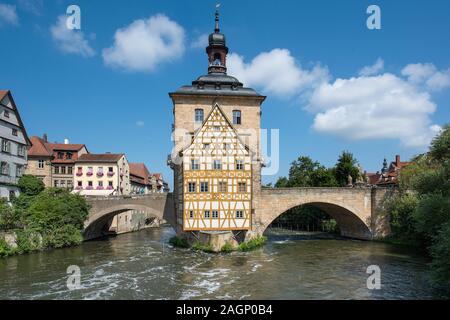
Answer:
(237, 119)
(217, 165)
(203, 186)
(195, 165)
(199, 115)
(217, 59)
(239, 165)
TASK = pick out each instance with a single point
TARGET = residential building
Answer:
(14, 143)
(140, 179)
(389, 174)
(158, 183)
(216, 159)
(54, 162)
(102, 175)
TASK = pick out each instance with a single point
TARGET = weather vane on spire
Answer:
(217, 18)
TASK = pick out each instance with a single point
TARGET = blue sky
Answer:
(94, 87)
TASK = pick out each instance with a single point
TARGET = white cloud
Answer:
(200, 42)
(375, 107)
(8, 15)
(70, 41)
(374, 69)
(140, 123)
(276, 72)
(145, 44)
(426, 74)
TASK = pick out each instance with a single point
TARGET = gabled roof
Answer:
(216, 106)
(3, 94)
(103, 157)
(39, 148)
(66, 147)
(139, 170)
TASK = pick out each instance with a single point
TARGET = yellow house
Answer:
(102, 175)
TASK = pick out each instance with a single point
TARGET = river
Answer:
(142, 265)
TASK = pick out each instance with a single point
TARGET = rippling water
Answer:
(143, 266)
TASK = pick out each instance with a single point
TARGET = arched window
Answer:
(237, 117)
(199, 115)
(217, 59)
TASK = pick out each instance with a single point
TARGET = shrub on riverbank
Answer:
(179, 242)
(42, 219)
(420, 213)
(227, 248)
(252, 244)
(198, 246)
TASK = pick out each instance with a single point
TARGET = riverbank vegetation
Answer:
(41, 218)
(420, 211)
(249, 245)
(305, 172)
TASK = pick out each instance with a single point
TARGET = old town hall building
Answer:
(216, 157)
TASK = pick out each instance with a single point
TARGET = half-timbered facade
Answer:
(217, 178)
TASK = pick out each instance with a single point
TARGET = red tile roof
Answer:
(103, 157)
(140, 171)
(39, 148)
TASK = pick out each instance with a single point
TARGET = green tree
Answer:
(301, 171)
(440, 146)
(345, 166)
(30, 185)
(282, 182)
(440, 252)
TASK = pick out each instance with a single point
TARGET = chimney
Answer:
(44, 137)
(66, 141)
(397, 160)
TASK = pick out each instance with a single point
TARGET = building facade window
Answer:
(56, 183)
(14, 132)
(239, 165)
(206, 214)
(191, 187)
(4, 168)
(215, 214)
(203, 186)
(6, 113)
(199, 115)
(69, 170)
(239, 214)
(195, 165)
(70, 184)
(6, 146)
(242, 187)
(222, 186)
(80, 183)
(56, 170)
(41, 164)
(191, 214)
(60, 155)
(63, 184)
(21, 150)
(69, 155)
(63, 170)
(217, 164)
(19, 170)
(237, 119)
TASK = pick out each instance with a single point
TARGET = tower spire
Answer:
(216, 29)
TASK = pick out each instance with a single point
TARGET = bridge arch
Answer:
(349, 207)
(350, 225)
(104, 209)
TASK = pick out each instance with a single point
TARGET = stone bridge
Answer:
(359, 212)
(103, 209)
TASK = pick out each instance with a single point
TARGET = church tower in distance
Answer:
(216, 157)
